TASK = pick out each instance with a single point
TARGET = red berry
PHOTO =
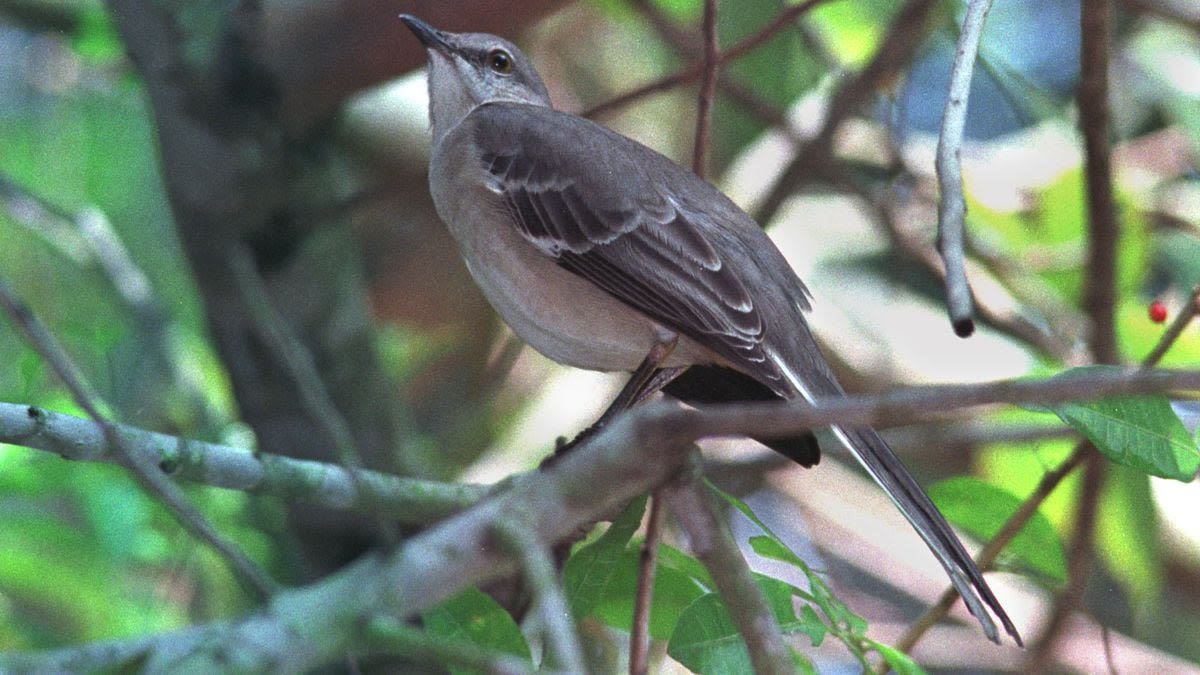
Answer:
(1158, 311)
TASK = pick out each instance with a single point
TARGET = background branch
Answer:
(895, 50)
(952, 204)
(708, 87)
(149, 476)
(1099, 298)
(695, 71)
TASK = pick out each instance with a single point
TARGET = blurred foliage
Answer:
(981, 510)
(476, 618)
(85, 555)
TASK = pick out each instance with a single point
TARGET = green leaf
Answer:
(672, 557)
(779, 596)
(591, 569)
(705, 639)
(673, 591)
(843, 623)
(900, 662)
(982, 509)
(473, 616)
(1140, 432)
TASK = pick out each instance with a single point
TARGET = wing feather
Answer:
(649, 252)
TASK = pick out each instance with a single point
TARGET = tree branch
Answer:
(299, 364)
(952, 205)
(419, 501)
(708, 87)
(562, 636)
(991, 551)
(405, 500)
(1099, 296)
(696, 70)
(639, 632)
(714, 546)
(895, 50)
(148, 474)
(305, 627)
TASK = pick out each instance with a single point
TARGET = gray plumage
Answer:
(588, 244)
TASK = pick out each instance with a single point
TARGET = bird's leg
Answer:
(647, 379)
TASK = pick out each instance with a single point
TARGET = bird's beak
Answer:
(429, 36)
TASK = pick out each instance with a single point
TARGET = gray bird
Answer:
(603, 254)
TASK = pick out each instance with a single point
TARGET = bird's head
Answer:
(469, 69)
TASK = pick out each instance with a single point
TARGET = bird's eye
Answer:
(500, 61)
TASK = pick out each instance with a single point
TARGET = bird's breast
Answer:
(560, 314)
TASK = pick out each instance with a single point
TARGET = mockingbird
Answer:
(603, 254)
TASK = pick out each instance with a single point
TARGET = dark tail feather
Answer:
(714, 384)
(887, 470)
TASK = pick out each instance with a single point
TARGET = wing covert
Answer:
(612, 226)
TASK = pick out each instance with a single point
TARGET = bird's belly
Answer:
(560, 314)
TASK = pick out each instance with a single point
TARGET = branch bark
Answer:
(952, 205)
(406, 500)
(895, 50)
(713, 545)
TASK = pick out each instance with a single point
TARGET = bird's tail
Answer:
(887, 470)
(885, 467)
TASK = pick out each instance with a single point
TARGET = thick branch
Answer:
(306, 627)
(636, 452)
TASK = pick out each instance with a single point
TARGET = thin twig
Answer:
(890, 212)
(1189, 312)
(714, 546)
(681, 41)
(149, 475)
(952, 205)
(696, 70)
(639, 634)
(987, 556)
(991, 551)
(298, 361)
(565, 653)
(1099, 297)
(1079, 561)
(912, 404)
(904, 36)
(708, 87)
(99, 243)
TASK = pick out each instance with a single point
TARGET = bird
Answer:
(603, 254)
